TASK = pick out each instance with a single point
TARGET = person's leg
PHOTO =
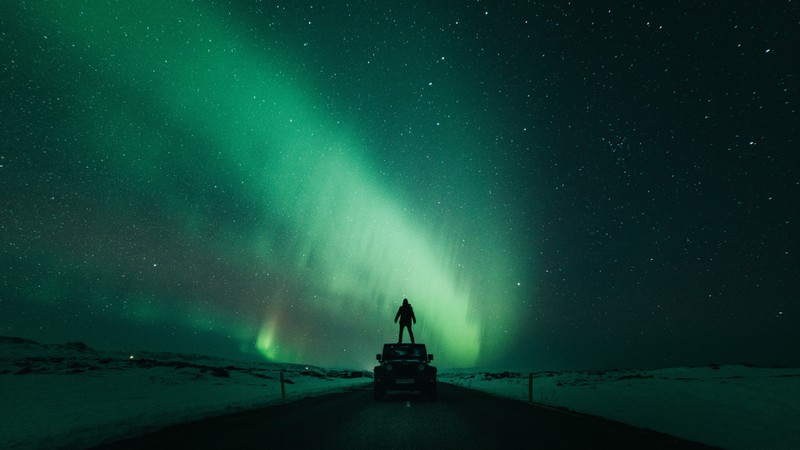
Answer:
(400, 338)
(411, 334)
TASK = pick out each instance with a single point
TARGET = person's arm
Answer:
(398, 314)
(413, 317)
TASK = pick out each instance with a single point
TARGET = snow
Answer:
(71, 396)
(734, 407)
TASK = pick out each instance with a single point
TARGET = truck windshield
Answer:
(404, 352)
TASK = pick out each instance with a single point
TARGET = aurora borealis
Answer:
(547, 186)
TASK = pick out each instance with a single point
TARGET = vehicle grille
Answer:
(405, 371)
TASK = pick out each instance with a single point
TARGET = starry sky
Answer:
(551, 185)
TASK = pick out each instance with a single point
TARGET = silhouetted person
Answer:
(406, 315)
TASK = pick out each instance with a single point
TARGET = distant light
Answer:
(130, 357)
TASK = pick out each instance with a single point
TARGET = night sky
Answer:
(551, 185)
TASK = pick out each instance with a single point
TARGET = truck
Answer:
(404, 367)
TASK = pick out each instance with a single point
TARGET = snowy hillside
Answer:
(73, 396)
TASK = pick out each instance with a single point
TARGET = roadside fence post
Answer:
(283, 388)
(530, 387)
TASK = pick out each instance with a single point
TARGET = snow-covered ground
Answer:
(734, 407)
(71, 396)
(57, 396)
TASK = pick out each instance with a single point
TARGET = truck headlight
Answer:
(388, 367)
(422, 367)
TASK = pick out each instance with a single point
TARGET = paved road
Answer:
(460, 419)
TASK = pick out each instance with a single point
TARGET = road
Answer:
(460, 419)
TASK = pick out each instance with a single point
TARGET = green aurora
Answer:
(552, 186)
(194, 146)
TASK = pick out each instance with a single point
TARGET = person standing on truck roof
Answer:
(406, 315)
